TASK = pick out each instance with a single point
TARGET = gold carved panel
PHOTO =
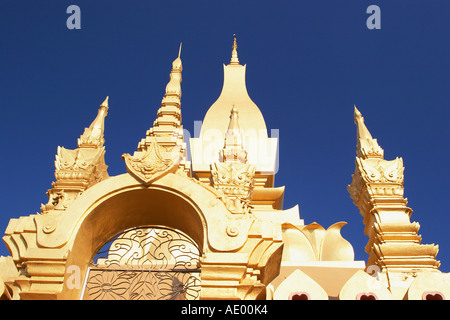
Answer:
(145, 263)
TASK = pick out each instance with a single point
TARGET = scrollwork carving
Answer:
(151, 248)
(381, 171)
(146, 263)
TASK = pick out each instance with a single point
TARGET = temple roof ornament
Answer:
(93, 136)
(234, 55)
(163, 149)
(234, 176)
(78, 169)
(366, 147)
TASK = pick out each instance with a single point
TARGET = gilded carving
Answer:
(236, 182)
(377, 189)
(313, 243)
(146, 263)
(78, 169)
(153, 163)
(381, 171)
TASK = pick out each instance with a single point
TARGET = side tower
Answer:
(394, 246)
(37, 263)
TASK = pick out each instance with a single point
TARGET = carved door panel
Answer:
(145, 263)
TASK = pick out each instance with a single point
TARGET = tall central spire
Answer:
(168, 119)
(163, 149)
(234, 54)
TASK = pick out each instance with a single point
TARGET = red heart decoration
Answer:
(299, 296)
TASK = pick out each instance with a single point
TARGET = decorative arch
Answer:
(133, 208)
(130, 207)
(248, 248)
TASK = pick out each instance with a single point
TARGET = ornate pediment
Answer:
(152, 163)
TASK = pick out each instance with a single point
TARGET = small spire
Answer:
(362, 131)
(366, 146)
(233, 149)
(179, 50)
(93, 136)
(234, 116)
(234, 54)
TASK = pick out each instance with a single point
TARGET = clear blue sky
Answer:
(308, 63)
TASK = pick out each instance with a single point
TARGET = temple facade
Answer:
(211, 225)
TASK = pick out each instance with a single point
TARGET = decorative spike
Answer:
(234, 54)
(93, 136)
(105, 103)
(366, 146)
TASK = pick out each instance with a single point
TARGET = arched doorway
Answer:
(107, 216)
(145, 263)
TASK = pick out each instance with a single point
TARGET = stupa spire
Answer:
(163, 149)
(168, 119)
(234, 54)
(92, 137)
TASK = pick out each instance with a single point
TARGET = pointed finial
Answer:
(92, 137)
(356, 113)
(362, 131)
(234, 54)
(176, 64)
(105, 103)
(366, 146)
